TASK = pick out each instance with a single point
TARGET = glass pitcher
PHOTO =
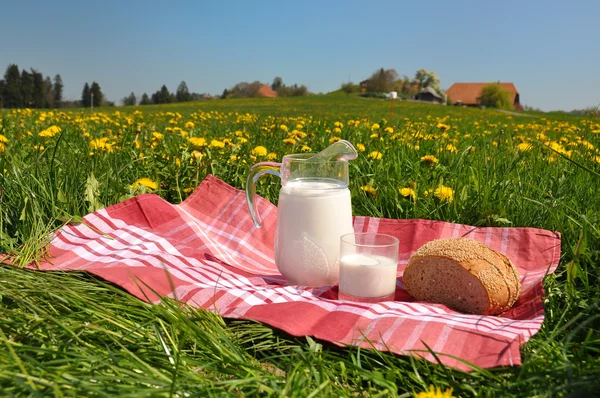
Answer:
(314, 212)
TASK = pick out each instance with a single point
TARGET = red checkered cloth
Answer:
(207, 253)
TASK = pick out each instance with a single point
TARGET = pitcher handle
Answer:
(254, 174)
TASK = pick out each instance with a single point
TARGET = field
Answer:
(74, 335)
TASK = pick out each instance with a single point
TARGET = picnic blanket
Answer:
(207, 253)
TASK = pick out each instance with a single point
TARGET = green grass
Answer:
(70, 334)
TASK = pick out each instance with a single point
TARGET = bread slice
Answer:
(464, 275)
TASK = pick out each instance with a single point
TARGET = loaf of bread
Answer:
(464, 275)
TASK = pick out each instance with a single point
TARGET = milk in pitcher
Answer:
(312, 216)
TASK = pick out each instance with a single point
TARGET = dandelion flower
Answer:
(389, 130)
(334, 139)
(260, 151)
(50, 131)
(3, 138)
(306, 148)
(444, 193)
(189, 125)
(429, 159)
(217, 144)
(197, 141)
(146, 182)
(369, 190)
(289, 141)
(443, 126)
(158, 136)
(375, 126)
(271, 156)
(360, 147)
(435, 392)
(524, 147)
(408, 193)
(375, 155)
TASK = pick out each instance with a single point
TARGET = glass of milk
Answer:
(367, 266)
(314, 211)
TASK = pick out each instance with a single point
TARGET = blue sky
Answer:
(549, 49)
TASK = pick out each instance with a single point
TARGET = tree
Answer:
(26, 89)
(98, 97)
(145, 100)
(12, 96)
(382, 80)
(225, 93)
(162, 96)
(277, 83)
(130, 100)
(349, 88)
(48, 95)
(85, 96)
(182, 93)
(494, 96)
(57, 90)
(425, 78)
(39, 89)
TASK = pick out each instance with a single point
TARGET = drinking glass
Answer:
(367, 267)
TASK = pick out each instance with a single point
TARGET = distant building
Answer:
(266, 91)
(467, 93)
(364, 86)
(428, 94)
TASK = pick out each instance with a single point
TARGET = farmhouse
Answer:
(467, 93)
(266, 91)
(428, 94)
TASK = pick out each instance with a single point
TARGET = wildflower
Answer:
(289, 141)
(375, 126)
(158, 136)
(451, 148)
(306, 148)
(434, 392)
(217, 144)
(50, 131)
(242, 140)
(375, 155)
(444, 193)
(337, 130)
(233, 158)
(197, 141)
(334, 139)
(524, 146)
(197, 155)
(597, 159)
(443, 126)
(360, 147)
(389, 130)
(374, 135)
(271, 156)
(338, 124)
(145, 182)
(369, 190)
(178, 162)
(284, 127)
(3, 142)
(408, 193)
(189, 125)
(259, 151)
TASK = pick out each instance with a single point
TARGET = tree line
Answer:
(163, 96)
(30, 89)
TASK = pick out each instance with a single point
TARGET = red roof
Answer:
(467, 93)
(266, 91)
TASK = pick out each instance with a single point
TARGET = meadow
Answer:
(70, 334)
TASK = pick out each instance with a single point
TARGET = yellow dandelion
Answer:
(158, 136)
(444, 193)
(197, 141)
(3, 138)
(190, 125)
(408, 193)
(260, 151)
(306, 148)
(443, 126)
(50, 131)
(360, 147)
(145, 182)
(524, 147)
(374, 135)
(434, 392)
(197, 155)
(369, 190)
(389, 130)
(375, 126)
(451, 148)
(283, 127)
(338, 124)
(375, 155)
(217, 144)
(337, 130)
(429, 159)
(271, 156)
(289, 141)
(334, 139)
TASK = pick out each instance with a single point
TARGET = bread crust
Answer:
(496, 273)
